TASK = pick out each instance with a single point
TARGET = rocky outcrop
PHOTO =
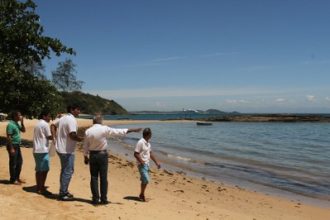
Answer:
(273, 118)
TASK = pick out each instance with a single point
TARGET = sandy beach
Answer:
(170, 195)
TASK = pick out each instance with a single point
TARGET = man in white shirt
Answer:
(95, 145)
(143, 154)
(41, 137)
(66, 138)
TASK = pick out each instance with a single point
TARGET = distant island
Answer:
(186, 111)
(221, 116)
(92, 104)
(272, 118)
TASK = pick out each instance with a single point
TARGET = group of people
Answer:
(63, 132)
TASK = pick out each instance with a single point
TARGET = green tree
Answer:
(23, 45)
(64, 77)
(36, 70)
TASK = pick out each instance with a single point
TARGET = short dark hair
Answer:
(97, 119)
(146, 132)
(44, 113)
(14, 114)
(72, 107)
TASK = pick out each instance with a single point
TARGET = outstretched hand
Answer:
(134, 130)
(137, 129)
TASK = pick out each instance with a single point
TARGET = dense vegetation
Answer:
(91, 104)
(23, 48)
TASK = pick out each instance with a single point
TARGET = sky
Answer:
(252, 56)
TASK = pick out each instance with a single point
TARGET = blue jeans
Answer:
(67, 167)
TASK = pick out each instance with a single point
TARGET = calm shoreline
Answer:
(123, 150)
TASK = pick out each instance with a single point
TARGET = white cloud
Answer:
(316, 62)
(159, 104)
(231, 101)
(280, 100)
(234, 93)
(252, 99)
(256, 68)
(179, 92)
(173, 58)
(310, 98)
(219, 54)
(236, 101)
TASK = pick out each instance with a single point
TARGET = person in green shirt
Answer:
(13, 130)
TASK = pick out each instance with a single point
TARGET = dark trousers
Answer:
(98, 166)
(15, 163)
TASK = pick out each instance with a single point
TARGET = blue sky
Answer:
(233, 55)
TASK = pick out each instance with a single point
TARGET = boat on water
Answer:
(203, 123)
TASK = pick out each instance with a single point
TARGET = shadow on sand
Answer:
(4, 182)
(24, 142)
(33, 189)
(133, 198)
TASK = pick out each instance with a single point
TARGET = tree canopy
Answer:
(64, 77)
(23, 47)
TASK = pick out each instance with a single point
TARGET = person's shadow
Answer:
(5, 182)
(24, 142)
(33, 189)
(133, 198)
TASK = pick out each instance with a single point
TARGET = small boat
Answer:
(203, 123)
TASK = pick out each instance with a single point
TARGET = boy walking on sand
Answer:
(143, 154)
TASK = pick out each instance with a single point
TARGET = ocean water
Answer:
(286, 158)
(165, 116)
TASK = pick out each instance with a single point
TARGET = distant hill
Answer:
(189, 111)
(91, 104)
(214, 111)
(273, 118)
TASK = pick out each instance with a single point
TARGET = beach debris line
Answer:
(168, 173)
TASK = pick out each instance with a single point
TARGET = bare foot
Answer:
(142, 198)
(16, 183)
(21, 181)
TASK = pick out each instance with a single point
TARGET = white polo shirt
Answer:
(40, 141)
(96, 137)
(143, 148)
(65, 125)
